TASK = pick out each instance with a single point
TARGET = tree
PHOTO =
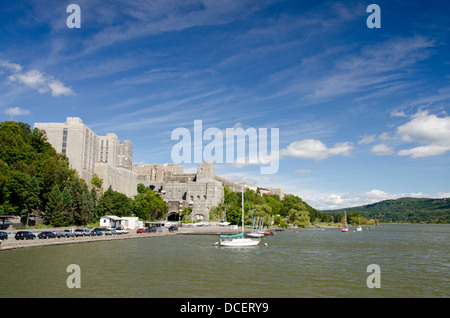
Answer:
(113, 203)
(54, 206)
(26, 154)
(299, 218)
(31, 197)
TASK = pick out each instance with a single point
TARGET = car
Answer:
(141, 231)
(173, 228)
(96, 232)
(112, 231)
(24, 235)
(151, 229)
(82, 232)
(3, 236)
(121, 230)
(103, 230)
(46, 235)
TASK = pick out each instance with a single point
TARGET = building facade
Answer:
(112, 161)
(88, 154)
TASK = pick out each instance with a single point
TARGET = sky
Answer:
(363, 113)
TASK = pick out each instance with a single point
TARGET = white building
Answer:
(128, 222)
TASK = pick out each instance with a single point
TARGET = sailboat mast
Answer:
(242, 209)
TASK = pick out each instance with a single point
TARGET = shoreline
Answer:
(11, 243)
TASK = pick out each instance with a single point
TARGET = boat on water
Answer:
(345, 229)
(258, 224)
(359, 228)
(238, 240)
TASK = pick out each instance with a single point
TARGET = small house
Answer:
(127, 222)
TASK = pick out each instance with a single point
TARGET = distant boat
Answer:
(238, 240)
(258, 233)
(345, 229)
(359, 228)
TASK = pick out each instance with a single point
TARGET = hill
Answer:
(409, 210)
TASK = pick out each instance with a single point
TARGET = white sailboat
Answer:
(359, 228)
(238, 240)
(256, 233)
(345, 229)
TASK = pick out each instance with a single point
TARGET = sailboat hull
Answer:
(238, 242)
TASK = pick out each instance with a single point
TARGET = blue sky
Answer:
(363, 114)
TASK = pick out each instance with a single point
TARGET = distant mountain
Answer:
(409, 210)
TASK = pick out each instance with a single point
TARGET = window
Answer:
(64, 141)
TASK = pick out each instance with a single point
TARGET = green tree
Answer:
(54, 206)
(299, 218)
(31, 197)
(114, 203)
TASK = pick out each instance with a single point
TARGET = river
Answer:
(413, 262)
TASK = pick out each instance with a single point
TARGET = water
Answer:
(414, 262)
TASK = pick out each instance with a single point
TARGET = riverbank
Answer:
(12, 243)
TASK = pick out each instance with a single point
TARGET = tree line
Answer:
(270, 209)
(36, 181)
(407, 210)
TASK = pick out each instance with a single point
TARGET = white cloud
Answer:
(367, 139)
(33, 79)
(382, 150)
(37, 80)
(16, 111)
(431, 131)
(11, 66)
(59, 89)
(315, 149)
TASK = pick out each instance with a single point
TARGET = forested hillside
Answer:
(410, 210)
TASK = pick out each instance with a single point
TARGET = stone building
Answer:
(88, 153)
(112, 161)
(200, 190)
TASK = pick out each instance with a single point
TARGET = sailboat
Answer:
(238, 240)
(345, 229)
(257, 232)
(359, 228)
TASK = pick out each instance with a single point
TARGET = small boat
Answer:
(238, 240)
(255, 234)
(359, 228)
(345, 229)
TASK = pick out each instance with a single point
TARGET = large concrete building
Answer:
(88, 153)
(112, 161)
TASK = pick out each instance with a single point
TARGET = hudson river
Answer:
(414, 261)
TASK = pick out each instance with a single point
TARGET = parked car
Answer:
(121, 230)
(173, 228)
(24, 235)
(103, 230)
(112, 231)
(141, 231)
(46, 235)
(151, 229)
(82, 232)
(96, 232)
(3, 236)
